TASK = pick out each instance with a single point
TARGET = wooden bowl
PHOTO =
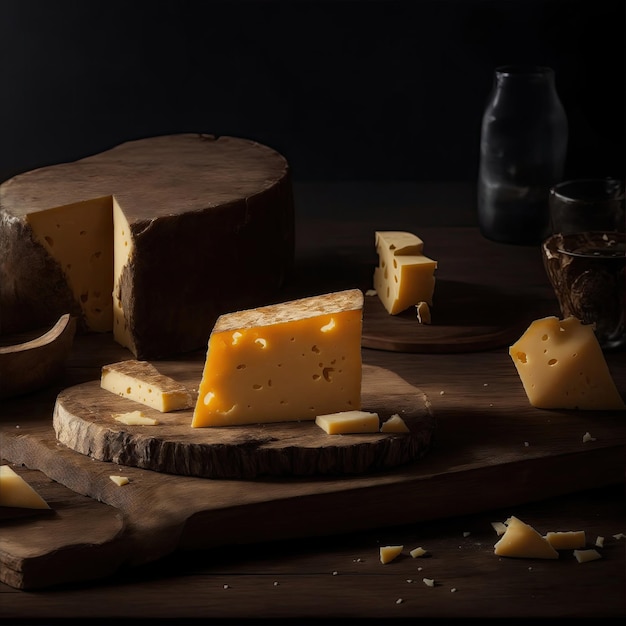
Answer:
(31, 364)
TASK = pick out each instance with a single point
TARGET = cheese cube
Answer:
(562, 366)
(567, 540)
(283, 362)
(522, 541)
(141, 382)
(404, 276)
(346, 422)
(16, 492)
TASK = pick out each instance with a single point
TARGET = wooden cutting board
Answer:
(490, 449)
(84, 421)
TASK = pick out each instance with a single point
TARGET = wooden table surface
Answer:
(340, 576)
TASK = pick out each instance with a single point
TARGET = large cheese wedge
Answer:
(404, 277)
(141, 382)
(522, 541)
(562, 366)
(152, 239)
(16, 492)
(283, 362)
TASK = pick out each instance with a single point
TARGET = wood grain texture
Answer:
(83, 420)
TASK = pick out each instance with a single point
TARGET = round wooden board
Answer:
(83, 421)
(465, 318)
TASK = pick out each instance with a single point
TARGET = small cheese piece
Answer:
(567, 540)
(346, 422)
(16, 492)
(423, 312)
(561, 366)
(283, 362)
(395, 424)
(141, 382)
(135, 418)
(417, 552)
(389, 553)
(599, 541)
(429, 582)
(404, 276)
(584, 556)
(522, 541)
(499, 527)
(120, 481)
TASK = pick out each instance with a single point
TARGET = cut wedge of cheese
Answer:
(567, 540)
(346, 422)
(16, 492)
(522, 541)
(119, 238)
(404, 276)
(395, 424)
(141, 382)
(389, 553)
(284, 362)
(562, 366)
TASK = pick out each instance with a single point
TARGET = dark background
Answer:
(345, 90)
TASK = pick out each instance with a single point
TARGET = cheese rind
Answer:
(404, 276)
(521, 540)
(16, 492)
(346, 422)
(562, 366)
(141, 382)
(284, 362)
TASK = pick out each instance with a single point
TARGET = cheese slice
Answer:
(562, 366)
(567, 540)
(389, 553)
(135, 418)
(521, 540)
(404, 276)
(346, 422)
(395, 424)
(16, 492)
(283, 362)
(141, 382)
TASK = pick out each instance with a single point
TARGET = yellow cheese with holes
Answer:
(389, 553)
(567, 540)
(562, 366)
(141, 382)
(404, 275)
(16, 492)
(521, 540)
(346, 422)
(283, 362)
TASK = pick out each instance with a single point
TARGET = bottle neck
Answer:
(521, 81)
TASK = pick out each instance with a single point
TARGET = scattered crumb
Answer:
(226, 586)
(466, 533)
(429, 582)
(587, 437)
(453, 590)
(120, 481)
(371, 292)
(423, 313)
(526, 444)
(417, 552)
(276, 583)
(499, 527)
(335, 573)
(600, 542)
(409, 580)
(17, 426)
(441, 393)
(399, 601)
(419, 569)
(584, 556)
(619, 536)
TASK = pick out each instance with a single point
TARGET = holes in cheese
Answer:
(521, 540)
(404, 277)
(16, 492)
(562, 366)
(141, 382)
(308, 349)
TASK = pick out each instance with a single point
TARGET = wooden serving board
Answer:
(84, 421)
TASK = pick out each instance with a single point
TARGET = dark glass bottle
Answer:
(523, 146)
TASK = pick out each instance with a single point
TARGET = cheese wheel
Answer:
(152, 239)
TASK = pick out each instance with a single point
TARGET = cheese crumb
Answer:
(619, 536)
(453, 590)
(120, 481)
(466, 533)
(499, 527)
(600, 542)
(371, 292)
(399, 601)
(584, 556)
(429, 582)
(587, 437)
(417, 552)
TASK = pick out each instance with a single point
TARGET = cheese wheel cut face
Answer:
(562, 366)
(152, 239)
(404, 276)
(284, 362)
